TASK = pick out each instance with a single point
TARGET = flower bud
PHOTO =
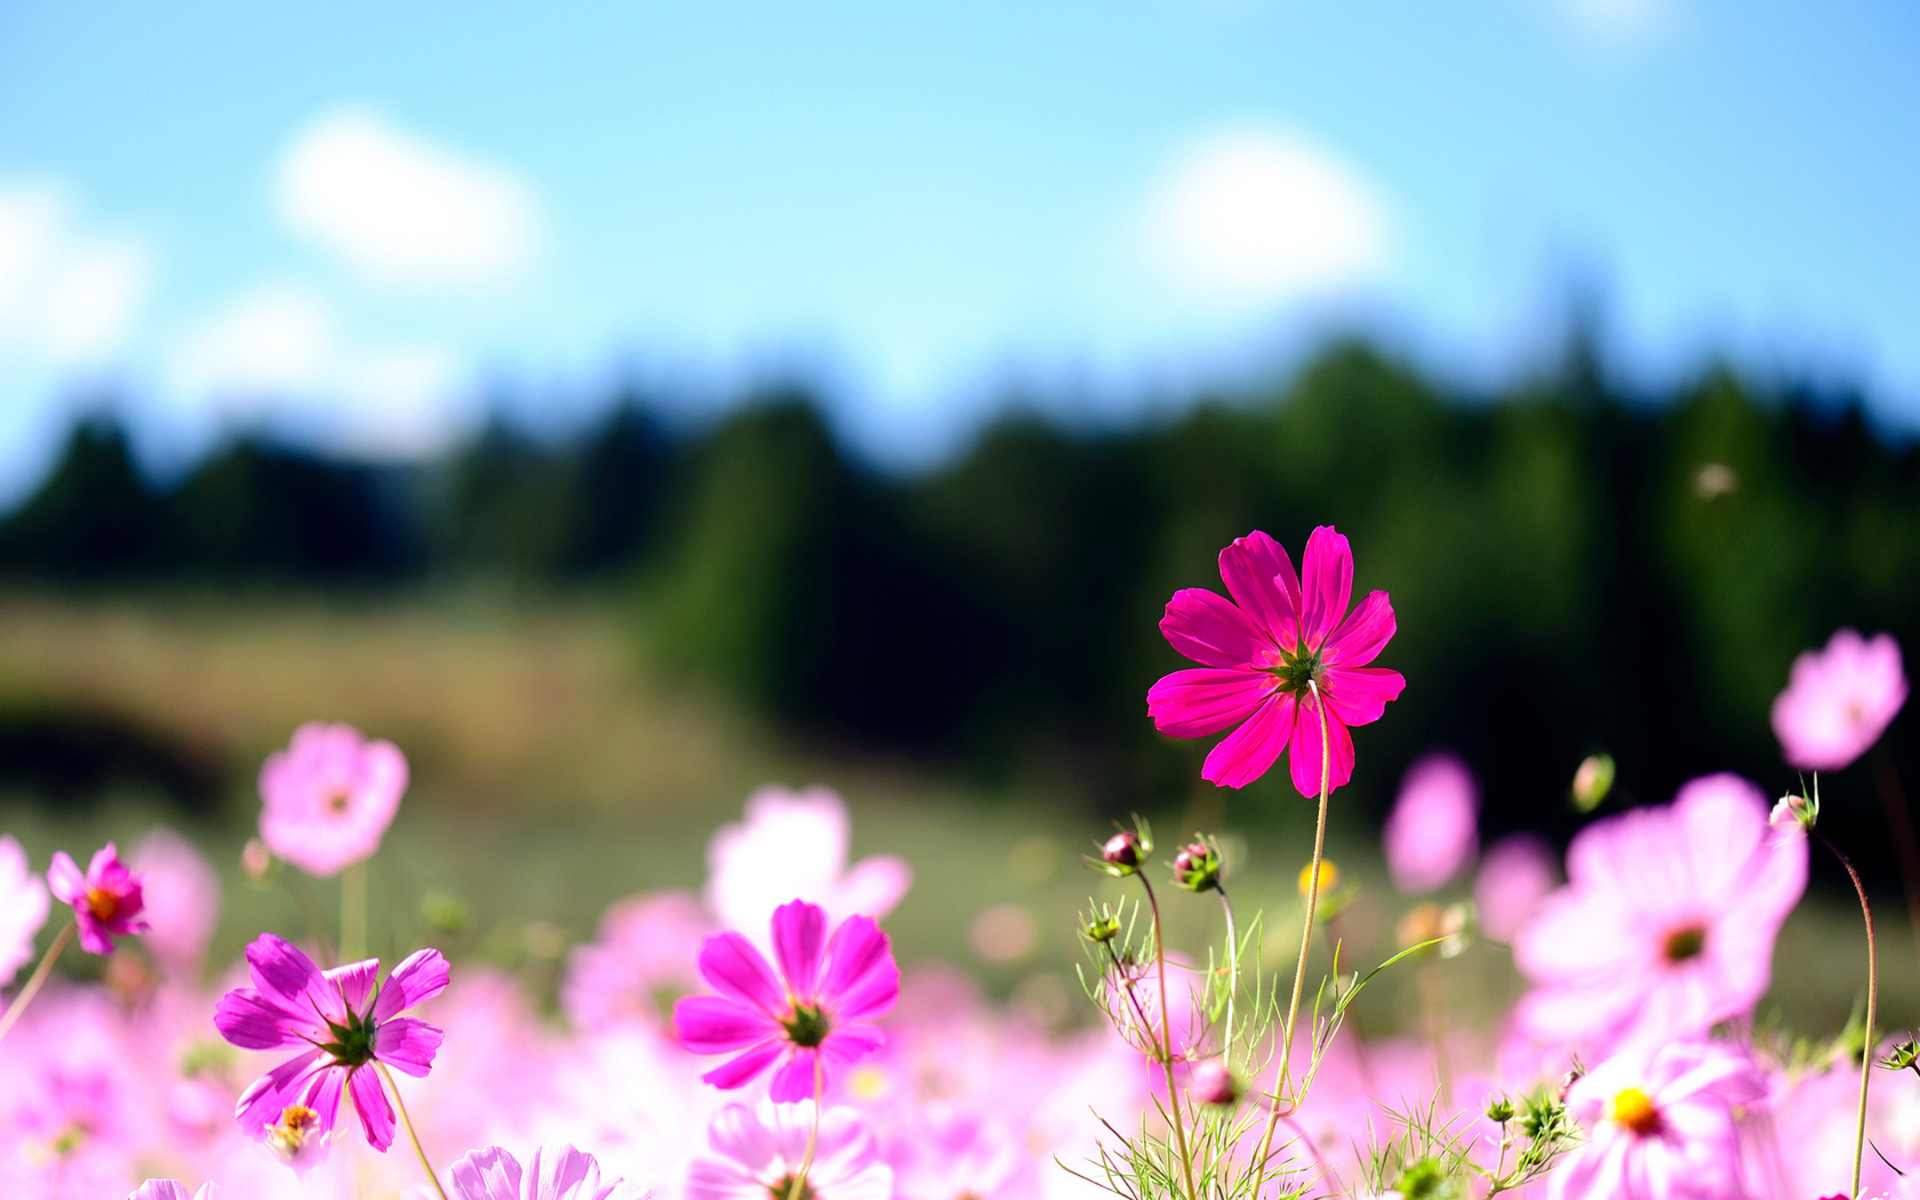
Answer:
(1101, 927)
(1197, 866)
(1902, 1058)
(1499, 1110)
(1213, 1083)
(255, 859)
(1569, 1079)
(1592, 782)
(1122, 850)
(1789, 811)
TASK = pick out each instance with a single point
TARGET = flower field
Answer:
(1244, 1021)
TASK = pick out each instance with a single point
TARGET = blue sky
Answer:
(352, 223)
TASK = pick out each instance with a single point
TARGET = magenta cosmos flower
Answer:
(1667, 923)
(1660, 1125)
(1839, 700)
(1264, 654)
(812, 1019)
(755, 1152)
(341, 1022)
(329, 797)
(563, 1174)
(107, 900)
(1433, 831)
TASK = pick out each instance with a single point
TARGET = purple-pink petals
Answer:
(812, 1020)
(23, 908)
(551, 1174)
(1839, 700)
(172, 1189)
(107, 900)
(754, 1154)
(1276, 658)
(1432, 833)
(327, 799)
(342, 1023)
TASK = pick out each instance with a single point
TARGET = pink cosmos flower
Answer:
(329, 797)
(1433, 830)
(563, 1174)
(1517, 873)
(107, 900)
(754, 1153)
(812, 1020)
(169, 1189)
(646, 945)
(1667, 923)
(341, 1022)
(1839, 700)
(1660, 1125)
(23, 908)
(182, 901)
(793, 845)
(1263, 655)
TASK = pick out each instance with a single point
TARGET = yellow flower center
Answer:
(288, 1136)
(1329, 878)
(104, 905)
(1634, 1109)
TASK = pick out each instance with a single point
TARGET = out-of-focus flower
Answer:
(255, 859)
(183, 901)
(107, 900)
(754, 1153)
(1327, 881)
(945, 1151)
(794, 845)
(328, 798)
(169, 1189)
(1667, 923)
(563, 1174)
(1213, 1083)
(807, 1024)
(23, 908)
(1516, 874)
(1839, 700)
(1660, 1125)
(1265, 654)
(645, 948)
(1592, 780)
(1433, 831)
(341, 1023)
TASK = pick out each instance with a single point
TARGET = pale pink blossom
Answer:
(753, 1154)
(107, 901)
(23, 908)
(551, 1174)
(793, 845)
(1661, 1125)
(1271, 657)
(646, 948)
(1667, 922)
(169, 1189)
(183, 901)
(328, 798)
(1432, 833)
(1839, 700)
(1517, 873)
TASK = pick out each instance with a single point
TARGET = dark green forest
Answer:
(1574, 569)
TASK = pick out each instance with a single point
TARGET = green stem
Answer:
(1281, 1075)
(1166, 1040)
(799, 1184)
(1873, 998)
(353, 913)
(38, 977)
(1233, 973)
(418, 1150)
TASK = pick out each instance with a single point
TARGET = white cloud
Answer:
(402, 211)
(1259, 215)
(277, 355)
(68, 294)
(1616, 22)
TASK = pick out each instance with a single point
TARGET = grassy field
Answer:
(553, 774)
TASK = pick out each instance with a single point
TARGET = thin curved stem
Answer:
(1873, 999)
(1306, 940)
(407, 1121)
(799, 1185)
(38, 977)
(1166, 1040)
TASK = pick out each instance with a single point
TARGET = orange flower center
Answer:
(103, 904)
(1634, 1109)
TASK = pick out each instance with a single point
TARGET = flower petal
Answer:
(1358, 695)
(862, 980)
(489, 1174)
(1245, 754)
(1305, 757)
(261, 1103)
(1204, 700)
(794, 1081)
(353, 983)
(851, 1043)
(64, 877)
(1259, 576)
(252, 1021)
(730, 963)
(376, 1113)
(420, 977)
(745, 1067)
(1208, 629)
(1365, 632)
(799, 929)
(720, 1024)
(407, 1044)
(1327, 577)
